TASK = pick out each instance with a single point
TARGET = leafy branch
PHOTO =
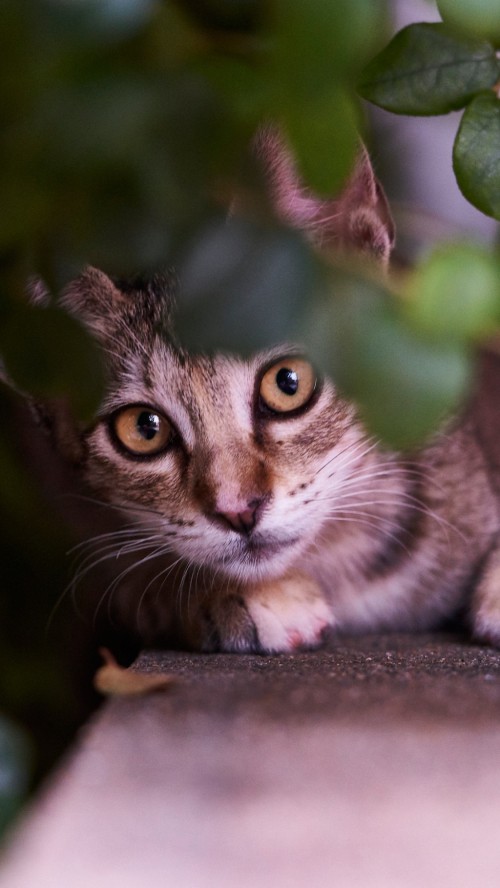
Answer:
(433, 69)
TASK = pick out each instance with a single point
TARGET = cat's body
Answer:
(285, 523)
(262, 508)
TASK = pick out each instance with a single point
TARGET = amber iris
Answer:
(288, 385)
(142, 430)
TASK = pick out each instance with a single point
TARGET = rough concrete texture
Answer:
(375, 762)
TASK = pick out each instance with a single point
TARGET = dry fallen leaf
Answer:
(113, 680)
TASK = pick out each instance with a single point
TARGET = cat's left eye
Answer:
(142, 430)
(288, 385)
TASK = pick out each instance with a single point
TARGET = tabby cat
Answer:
(266, 512)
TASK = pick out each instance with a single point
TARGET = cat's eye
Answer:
(142, 430)
(288, 385)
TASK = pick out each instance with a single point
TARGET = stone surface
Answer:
(375, 762)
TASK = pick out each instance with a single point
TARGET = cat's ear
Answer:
(357, 219)
(103, 305)
(95, 300)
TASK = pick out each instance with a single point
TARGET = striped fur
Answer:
(347, 535)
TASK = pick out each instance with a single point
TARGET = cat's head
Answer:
(231, 464)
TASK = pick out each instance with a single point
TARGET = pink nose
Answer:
(243, 521)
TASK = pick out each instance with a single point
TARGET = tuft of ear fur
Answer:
(95, 300)
(104, 305)
(358, 219)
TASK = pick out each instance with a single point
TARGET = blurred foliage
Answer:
(402, 380)
(56, 355)
(454, 294)
(481, 17)
(37, 681)
(230, 274)
(125, 125)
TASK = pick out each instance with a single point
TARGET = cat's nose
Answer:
(243, 521)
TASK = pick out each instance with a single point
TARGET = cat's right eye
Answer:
(142, 430)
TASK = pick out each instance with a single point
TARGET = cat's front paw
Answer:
(485, 606)
(289, 614)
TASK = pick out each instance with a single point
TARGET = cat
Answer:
(267, 513)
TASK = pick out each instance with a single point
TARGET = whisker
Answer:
(162, 573)
(111, 588)
(397, 498)
(112, 551)
(384, 470)
(364, 519)
(121, 508)
(354, 451)
(114, 534)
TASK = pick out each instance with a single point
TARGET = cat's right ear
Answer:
(357, 220)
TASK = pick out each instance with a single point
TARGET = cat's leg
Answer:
(281, 615)
(485, 607)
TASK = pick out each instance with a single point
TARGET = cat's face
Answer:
(230, 464)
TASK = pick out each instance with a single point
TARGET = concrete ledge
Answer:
(373, 763)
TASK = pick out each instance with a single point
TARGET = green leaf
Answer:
(225, 15)
(324, 137)
(91, 21)
(318, 41)
(316, 47)
(48, 354)
(455, 294)
(96, 123)
(25, 207)
(480, 17)
(427, 69)
(241, 85)
(242, 288)
(404, 385)
(476, 154)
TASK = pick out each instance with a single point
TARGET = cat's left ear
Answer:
(109, 308)
(358, 219)
(95, 300)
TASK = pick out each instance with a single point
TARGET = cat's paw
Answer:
(290, 615)
(283, 615)
(485, 605)
(486, 625)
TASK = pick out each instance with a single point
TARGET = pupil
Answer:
(287, 381)
(148, 425)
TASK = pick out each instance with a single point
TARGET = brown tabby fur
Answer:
(347, 534)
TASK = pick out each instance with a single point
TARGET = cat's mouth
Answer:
(255, 556)
(262, 547)
(263, 554)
